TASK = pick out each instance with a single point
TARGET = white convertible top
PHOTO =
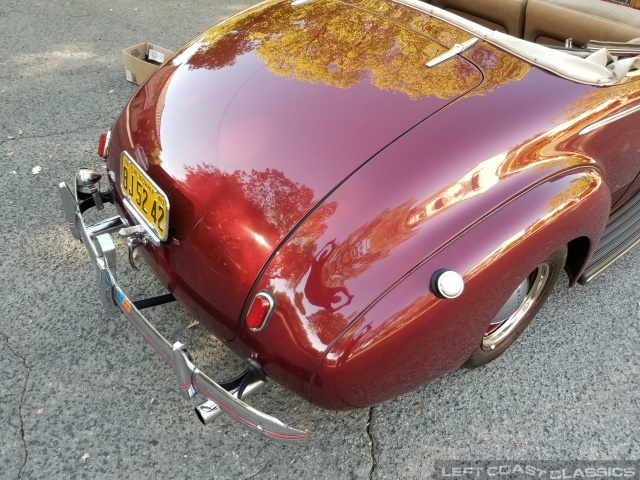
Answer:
(600, 68)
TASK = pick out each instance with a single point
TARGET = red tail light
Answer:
(260, 311)
(103, 145)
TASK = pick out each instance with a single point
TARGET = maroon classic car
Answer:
(358, 196)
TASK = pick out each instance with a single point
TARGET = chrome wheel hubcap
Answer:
(516, 309)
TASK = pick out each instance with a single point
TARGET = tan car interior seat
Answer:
(551, 22)
(506, 16)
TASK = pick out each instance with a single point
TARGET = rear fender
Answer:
(409, 336)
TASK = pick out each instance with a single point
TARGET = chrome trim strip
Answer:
(209, 410)
(106, 260)
(102, 252)
(140, 222)
(609, 262)
(183, 367)
(110, 225)
(70, 208)
(611, 119)
(455, 50)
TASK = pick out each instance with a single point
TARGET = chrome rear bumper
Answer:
(98, 242)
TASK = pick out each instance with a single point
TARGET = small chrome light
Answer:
(88, 183)
(260, 311)
(447, 284)
(87, 179)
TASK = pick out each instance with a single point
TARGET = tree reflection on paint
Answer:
(256, 208)
(369, 244)
(341, 46)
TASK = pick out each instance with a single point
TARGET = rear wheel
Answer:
(518, 310)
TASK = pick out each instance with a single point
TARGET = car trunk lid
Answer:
(251, 125)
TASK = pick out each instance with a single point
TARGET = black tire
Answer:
(504, 331)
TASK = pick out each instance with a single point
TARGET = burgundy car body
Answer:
(341, 183)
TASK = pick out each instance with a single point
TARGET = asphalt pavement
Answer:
(83, 396)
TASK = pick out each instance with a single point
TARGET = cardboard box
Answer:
(142, 60)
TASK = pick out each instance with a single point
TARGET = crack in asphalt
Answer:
(5, 338)
(263, 468)
(24, 442)
(22, 396)
(258, 472)
(372, 445)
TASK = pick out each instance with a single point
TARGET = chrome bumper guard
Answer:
(98, 242)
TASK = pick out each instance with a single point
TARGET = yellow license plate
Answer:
(145, 196)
